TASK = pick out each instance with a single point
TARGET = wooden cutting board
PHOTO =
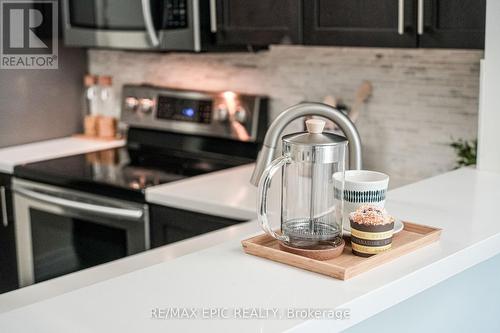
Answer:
(347, 265)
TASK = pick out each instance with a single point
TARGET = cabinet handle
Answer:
(401, 17)
(420, 18)
(3, 198)
(213, 16)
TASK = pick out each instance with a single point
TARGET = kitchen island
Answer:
(222, 281)
(49, 149)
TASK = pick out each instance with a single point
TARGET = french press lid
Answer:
(315, 145)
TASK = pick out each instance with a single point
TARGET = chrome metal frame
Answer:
(129, 216)
(275, 130)
(168, 39)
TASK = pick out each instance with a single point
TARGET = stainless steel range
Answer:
(79, 211)
(222, 114)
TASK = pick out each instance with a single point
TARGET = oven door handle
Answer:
(131, 214)
(148, 21)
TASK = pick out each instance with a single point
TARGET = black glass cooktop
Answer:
(120, 172)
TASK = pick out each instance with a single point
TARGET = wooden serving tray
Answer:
(347, 265)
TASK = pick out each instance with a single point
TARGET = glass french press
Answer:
(311, 211)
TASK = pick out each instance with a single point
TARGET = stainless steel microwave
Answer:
(186, 25)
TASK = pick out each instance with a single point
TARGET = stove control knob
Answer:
(221, 113)
(131, 103)
(241, 115)
(146, 105)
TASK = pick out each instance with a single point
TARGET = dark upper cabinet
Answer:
(258, 22)
(8, 263)
(387, 23)
(378, 23)
(453, 23)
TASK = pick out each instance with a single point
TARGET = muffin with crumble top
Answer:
(371, 230)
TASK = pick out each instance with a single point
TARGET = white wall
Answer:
(489, 115)
(41, 104)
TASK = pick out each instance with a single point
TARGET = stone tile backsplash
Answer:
(422, 98)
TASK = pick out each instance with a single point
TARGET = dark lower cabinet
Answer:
(168, 225)
(360, 23)
(258, 22)
(8, 261)
(453, 24)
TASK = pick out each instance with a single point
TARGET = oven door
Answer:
(59, 231)
(132, 24)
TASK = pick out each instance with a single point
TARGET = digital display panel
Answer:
(196, 111)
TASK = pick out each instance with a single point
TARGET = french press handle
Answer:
(264, 184)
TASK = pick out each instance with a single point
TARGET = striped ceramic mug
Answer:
(361, 187)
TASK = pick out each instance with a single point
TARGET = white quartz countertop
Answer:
(226, 193)
(49, 149)
(463, 203)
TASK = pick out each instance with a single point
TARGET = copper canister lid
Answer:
(89, 80)
(105, 80)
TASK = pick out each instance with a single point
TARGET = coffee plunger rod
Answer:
(314, 126)
(274, 132)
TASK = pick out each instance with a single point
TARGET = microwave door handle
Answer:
(131, 214)
(148, 21)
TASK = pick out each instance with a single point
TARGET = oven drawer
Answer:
(168, 225)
